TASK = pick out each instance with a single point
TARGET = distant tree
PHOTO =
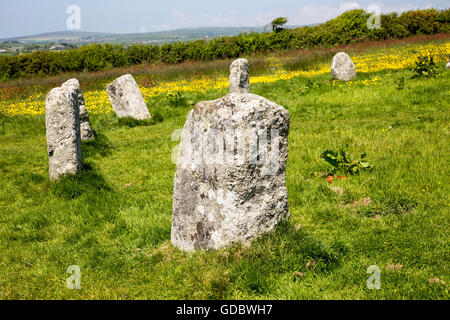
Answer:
(278, 24)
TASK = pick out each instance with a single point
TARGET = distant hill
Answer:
(185, 34)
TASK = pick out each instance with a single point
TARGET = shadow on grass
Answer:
(86, 194)
(397, 205)
(88, 181)
(286, 251)
(100, 145)
(131, 122)
(106, 122)
(30, 184)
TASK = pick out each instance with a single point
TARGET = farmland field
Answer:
(113, 220)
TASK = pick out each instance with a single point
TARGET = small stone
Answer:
(62, 121)
(342, 67)
(338, 190)
(436, 281)
(126, 98)
(299, 274)
(239, 76)
(367, 202)
(448, 65)
(85, 125)
(394, 266)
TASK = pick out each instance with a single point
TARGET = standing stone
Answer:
(126, 98)
(342, 67)
(239, 76)
(230, 180)
(62, 121)
(85, 125)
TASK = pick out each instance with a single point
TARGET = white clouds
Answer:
(264, 18)
(177, 13)
(309, 14)
(348, 6)
(180, 19)
(312, 14)
(405, 7)
(320, 13)
(391, 6)
(162, 27)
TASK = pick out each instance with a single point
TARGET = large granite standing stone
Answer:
(126, 98)
(239, 76)
(342, 67)
(62, 121)
(230, 180)
(85, 125)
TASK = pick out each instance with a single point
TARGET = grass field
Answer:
(113, 220)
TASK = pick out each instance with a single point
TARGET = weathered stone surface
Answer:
(239, 76)
(85, 125)
(230, 180)
(126, 98)
(62, 121)
(342, 67)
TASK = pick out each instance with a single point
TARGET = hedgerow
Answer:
(350, 27)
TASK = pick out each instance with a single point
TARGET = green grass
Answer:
(113, 220)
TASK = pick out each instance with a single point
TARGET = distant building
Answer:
(3, 50)
(57, 48)
(17, 49)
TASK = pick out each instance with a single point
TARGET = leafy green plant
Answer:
(176, 98)
(341, 161)
(425, 67)
(157, 117)
(400, 83)
(310, 84)
(303, 91)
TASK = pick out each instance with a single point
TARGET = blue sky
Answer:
(25, 17)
